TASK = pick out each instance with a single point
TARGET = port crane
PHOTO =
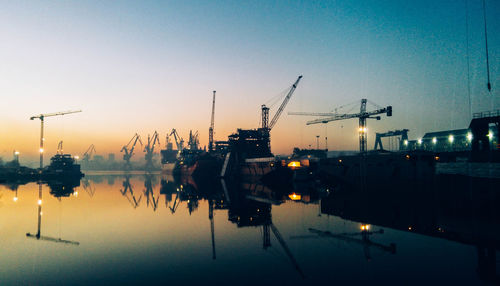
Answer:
(266, 125)
(193, 142)
(362, 115)
(211, 129)
(128, 150)
(127, 188)
(178, 140)
(88, 154)
(88, 187)
(42, 120)
(149, 193)
(60, 148)
(150, 148)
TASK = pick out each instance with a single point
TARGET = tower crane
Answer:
(42, 119)
(362, 115)
(266, 125)
(88, 154)
(178, 140)
(211, 129)
(128, 150)
(150, 148)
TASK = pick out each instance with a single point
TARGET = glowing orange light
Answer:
(365, 227)
(295, 197)
(294, 164)
(436, 158)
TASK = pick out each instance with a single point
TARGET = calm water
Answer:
(151, 230)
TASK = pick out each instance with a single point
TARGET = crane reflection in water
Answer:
(38, 235)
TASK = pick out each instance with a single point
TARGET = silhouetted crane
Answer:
(211, 129)
(42, 119)
(150, 148)
(127, 188)
(149, 193)
(362, 115)
(60, 148)
(265, 110)
(349, 237)
(129, 149)
(179, 142)
(193, 142)
(87, 156)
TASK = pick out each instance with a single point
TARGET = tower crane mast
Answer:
(211, 129)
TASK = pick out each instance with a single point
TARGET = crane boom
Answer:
(42, 117)
(313, 113)
(211, 129)
(346, 116)
(283, 104)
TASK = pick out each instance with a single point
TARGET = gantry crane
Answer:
(211, 129)
(404, 138)
(266, 125)
(42, 119)
(88, 154)
(362, 115)
(128, 150)
(150, 148)
(178, 140)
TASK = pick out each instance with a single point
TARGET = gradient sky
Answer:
(140, 66)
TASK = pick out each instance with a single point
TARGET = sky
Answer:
(141, 66)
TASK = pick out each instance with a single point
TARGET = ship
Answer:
(168, 157)
(62, 167)
(196, 162)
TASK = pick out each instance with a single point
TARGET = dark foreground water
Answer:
(151, 230)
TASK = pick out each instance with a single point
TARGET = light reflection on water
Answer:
(151, 229)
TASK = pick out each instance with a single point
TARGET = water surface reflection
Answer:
(130, 229)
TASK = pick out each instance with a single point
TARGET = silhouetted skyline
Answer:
(146, 66)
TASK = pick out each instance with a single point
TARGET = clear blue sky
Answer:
(140, 66)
